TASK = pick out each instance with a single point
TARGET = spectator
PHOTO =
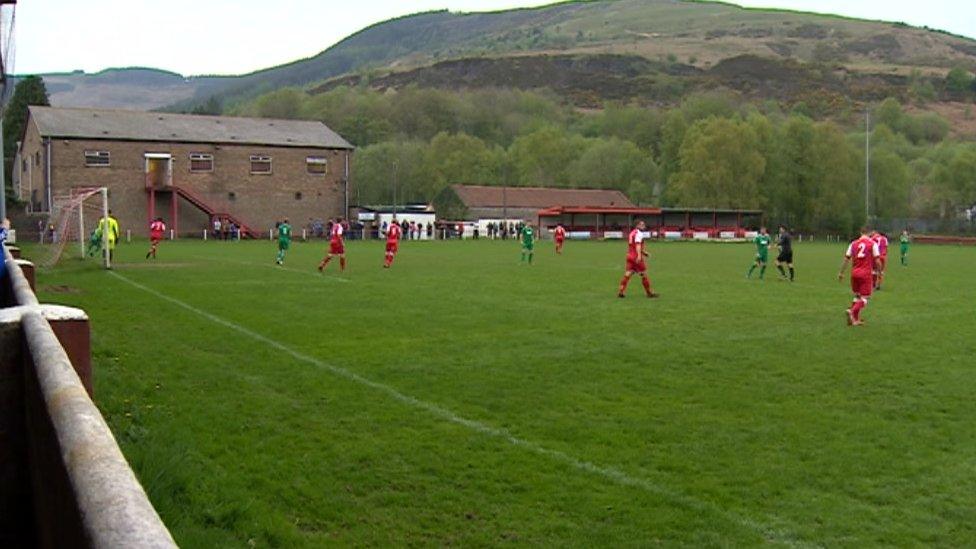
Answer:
(413, 230)
(4, 227)
(430, 231)
(216, 227)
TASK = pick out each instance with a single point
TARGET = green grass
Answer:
(462, 398)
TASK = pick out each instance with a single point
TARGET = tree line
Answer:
(712, 150)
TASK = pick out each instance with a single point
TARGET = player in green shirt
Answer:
(905, 241)
(284, 241)
(762, 242)
(528, 242)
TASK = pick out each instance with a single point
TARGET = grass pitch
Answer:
(463, 398)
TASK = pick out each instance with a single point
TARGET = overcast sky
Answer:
(236, 36)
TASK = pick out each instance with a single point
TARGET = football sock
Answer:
(623, 283)
(781, 271)
(859, 304)
(647, 285)
(530, 258)
(792, 273)
(342, 264)
(753, 268)
(325, 262)
(762, 272)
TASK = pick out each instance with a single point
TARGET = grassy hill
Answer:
(667, 47)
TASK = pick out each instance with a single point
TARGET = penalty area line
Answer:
(772, 534)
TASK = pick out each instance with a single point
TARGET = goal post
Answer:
(80, 216)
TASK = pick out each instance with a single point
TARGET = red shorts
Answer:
(337, 248)
(636, 265)
(862, 285)
(391, 247)
(155, 237)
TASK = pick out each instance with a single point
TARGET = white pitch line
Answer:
(777, 535)
(278, 268)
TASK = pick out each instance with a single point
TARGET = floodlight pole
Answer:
(106, 253)
(81, 228)
(867, 165)
(394, 187)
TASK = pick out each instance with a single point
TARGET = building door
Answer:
(159, 170)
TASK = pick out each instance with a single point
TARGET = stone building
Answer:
(185, 168)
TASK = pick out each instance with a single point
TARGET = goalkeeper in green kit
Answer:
(762, 242)
(528, 242)
(284, 241)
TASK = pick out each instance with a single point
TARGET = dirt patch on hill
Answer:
(587, 80)
(879, 46)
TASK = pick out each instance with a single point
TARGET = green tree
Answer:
(889, 112)
(459, 158)
(614, 164)
(672, 136)
(285, 103)
(720, 166)
(211, 106)
(375, 168)
(29, 91)
(890, 185)
(959, 80)
(544, 156)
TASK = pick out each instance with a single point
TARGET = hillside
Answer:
(665, 47)
(128, 88)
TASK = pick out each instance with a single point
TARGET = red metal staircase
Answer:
(246, 230)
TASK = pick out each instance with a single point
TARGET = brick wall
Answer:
(256, 199)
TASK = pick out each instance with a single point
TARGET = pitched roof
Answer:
(186, 128)
(480, 196)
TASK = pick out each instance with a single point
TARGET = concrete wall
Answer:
(257, 199)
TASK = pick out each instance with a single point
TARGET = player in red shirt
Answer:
(864, 256)
(392, 243)
(882, 241)
(559, 234)
(336, 247)
(635, 261)
(156, 231)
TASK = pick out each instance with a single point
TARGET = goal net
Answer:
(75, 227)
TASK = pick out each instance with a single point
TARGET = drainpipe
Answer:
(47, 174)
(345, 191)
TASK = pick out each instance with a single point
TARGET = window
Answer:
(97, 158)
(316, 165)
(260, 164)
(201, 162)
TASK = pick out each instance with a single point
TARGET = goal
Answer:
(74, 224)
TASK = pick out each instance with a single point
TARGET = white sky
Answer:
(235, 36)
